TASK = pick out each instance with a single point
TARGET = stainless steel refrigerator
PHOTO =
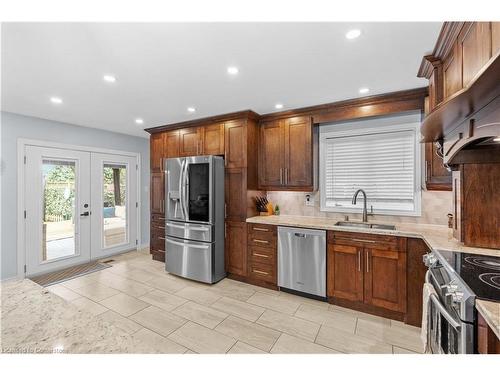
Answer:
(194, 217)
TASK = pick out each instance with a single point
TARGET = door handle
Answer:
(86, 213)
(367, 261)
(359, 260)
(281, 176)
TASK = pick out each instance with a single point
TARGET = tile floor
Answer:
(175, 315)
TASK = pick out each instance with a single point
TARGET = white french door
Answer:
(114, 215)
(79, 206)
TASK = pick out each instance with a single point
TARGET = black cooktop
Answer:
(481, 273)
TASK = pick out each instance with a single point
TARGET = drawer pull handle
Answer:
(161, 238)
(261, 241)
(261, 229)
(359, 240)
(261, 255)
(161, 227)
(261, 272)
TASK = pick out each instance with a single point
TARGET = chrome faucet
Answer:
(354, 198)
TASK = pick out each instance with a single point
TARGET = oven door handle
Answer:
(435, 300)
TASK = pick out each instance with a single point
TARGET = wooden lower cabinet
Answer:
(415, 278)
(385, 279)
(344, 269)
(367, 272)
(157, 237)
(487, 341)
(236, 248)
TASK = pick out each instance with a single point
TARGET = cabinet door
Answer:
(172, 144)
(156, 151)
(495, 38)
(345, 272)
(385, 279)
(475, 40)
(235, 143)
(437, 177)
(157, 192)
(189, 142)
(298, 152)
(271, 154)
(235, 194)
(213, 139)
(236, 248)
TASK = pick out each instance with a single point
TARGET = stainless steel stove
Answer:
(458, 279)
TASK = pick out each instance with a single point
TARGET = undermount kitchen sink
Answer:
(365, 225)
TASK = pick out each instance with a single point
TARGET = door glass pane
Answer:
(115, 205)
(58, 231)
(198, 191)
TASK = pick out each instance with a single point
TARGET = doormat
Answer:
(68, 273)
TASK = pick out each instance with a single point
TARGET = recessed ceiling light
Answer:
(56, 100)
(496, 139)
(232, 70)
(278, 106)
(139, 121)
(109, 78)
(353, 34)
(191, 109)
(364, 90)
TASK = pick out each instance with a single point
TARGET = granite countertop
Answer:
(37, 321)
(437, 237)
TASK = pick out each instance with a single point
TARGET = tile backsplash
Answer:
(435, 206)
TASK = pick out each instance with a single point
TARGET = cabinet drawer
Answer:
(157, 217)
(262, 271)
(262, 235)
(269, 242)
(367, 240)
(261, 229)
(260, 254)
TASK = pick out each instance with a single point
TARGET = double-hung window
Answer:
(379, 155)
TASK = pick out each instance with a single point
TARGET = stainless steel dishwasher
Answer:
(302, 260)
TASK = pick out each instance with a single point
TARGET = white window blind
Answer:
(383, 164)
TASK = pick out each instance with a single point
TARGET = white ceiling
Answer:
(164, 68)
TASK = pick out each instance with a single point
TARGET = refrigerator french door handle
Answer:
(186, 191)
(181, 189)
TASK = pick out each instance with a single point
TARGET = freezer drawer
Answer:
(189, 231)
(302, 260)
(189, 259)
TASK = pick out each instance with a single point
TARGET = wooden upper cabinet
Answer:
(345, 272)
(190, 141)
(286, 154)
(272, 154)
(452, 71)
(235, 143)
(495, 38)
(385, 279)
(171, 143)
(298, 152)
(437, 177)
(212, 139)
(475, 43)
(156, 151)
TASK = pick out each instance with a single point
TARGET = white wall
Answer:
(15, 126)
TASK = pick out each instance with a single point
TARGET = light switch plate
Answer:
(309, 200)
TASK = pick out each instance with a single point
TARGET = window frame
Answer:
(373, 125)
